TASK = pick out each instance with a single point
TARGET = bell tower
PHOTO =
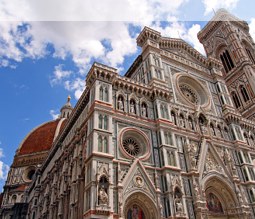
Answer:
(227, 39)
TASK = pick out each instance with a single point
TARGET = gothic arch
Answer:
(223, 190)
(142, 202)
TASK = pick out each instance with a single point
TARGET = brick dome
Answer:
(41, 138)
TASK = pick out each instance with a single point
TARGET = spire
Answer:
(66, 109)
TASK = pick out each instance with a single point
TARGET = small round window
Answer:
(134, 143)
(29, 174)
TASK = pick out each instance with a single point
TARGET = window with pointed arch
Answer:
(171, 158)
(227, 61)
(190, 122)
(164, 111)
(103, 93)
(250, 55)
(246, 138)
(173, 115)
(235, 99)
(213, 203)
(104, 148)
(168, 138)
(103, 122)
(244, 93)
(219, 132)
(226, 133)
(212, 129)
(13, 199)
(252, 196)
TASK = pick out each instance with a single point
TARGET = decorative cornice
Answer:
(147, 33)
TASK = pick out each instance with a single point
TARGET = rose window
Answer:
(189, 93)
(131, 146)
(134, 143)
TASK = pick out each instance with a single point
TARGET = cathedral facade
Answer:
(172, 138)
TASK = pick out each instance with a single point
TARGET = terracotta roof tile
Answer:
(40, 139)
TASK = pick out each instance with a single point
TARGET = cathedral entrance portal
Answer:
(140, 206)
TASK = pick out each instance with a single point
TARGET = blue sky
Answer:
(47, 47)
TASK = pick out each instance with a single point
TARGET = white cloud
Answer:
(1, 153)
(59, 74)
(178, 30)
(191, 36)
(4, 168)
(77, 85)
(252, 28)
(54, 114)
(89, 10)
(211, 5)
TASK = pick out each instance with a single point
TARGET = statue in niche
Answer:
(196, 191)
(178, 205)
(103, 197)
(120, 104)
(144, 110)
(192, 154)
(132, 107)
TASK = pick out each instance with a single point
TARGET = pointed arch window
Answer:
(250, 55)
(100, 143)
(103, 122)
(244, 93)
(105, 145)
(100, 121)
(212, 129)
(252, 196)
(173, 115)
(227, 61)
(163, 111)
(103, 93)
(190, 121)
(171, 158)
(106, 94)
(168, 138)
(235, 99)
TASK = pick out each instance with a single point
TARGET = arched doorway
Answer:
(220, 199)
(140, 206)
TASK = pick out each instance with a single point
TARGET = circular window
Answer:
(191, 90)
(131, 146)
(189, 93)
(28, 174)
(134, 143)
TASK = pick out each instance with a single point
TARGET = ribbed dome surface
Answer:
(41, 138)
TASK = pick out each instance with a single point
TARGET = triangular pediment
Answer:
(211, 161)
(182, 49)
(138, 180)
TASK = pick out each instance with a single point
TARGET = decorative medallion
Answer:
(138, 180)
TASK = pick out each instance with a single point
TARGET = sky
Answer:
(48, 46)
